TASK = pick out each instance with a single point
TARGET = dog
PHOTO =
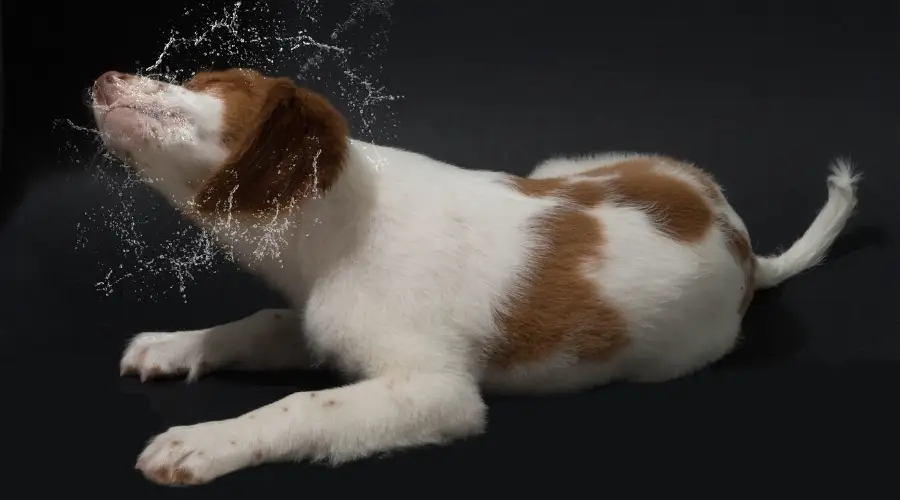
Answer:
(424, 282)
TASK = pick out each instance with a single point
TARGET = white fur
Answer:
(810, 249)
(397, 271)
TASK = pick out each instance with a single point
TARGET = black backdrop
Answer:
(761, 93)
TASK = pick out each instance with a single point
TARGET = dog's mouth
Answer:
(161, 115)
(148, 112)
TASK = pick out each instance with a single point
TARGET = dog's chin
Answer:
(125, 131)
(130, 121)
(119, 145)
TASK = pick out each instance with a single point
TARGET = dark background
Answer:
(761, 93)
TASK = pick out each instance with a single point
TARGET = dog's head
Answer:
(239, 139)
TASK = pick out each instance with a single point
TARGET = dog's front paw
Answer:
(154, 355)
(196, 454)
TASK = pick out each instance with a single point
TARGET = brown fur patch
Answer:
(538, 188)
(710, 186)
(287, 143)
(177, 476)
(582, 193)
(678, 209)
(558, 307)
(183, 476)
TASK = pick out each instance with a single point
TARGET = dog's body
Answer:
(425, 281)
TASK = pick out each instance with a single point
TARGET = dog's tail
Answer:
(810, 249)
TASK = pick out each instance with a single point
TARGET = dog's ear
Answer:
(294, 149)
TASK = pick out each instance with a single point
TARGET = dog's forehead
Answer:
(235, 78)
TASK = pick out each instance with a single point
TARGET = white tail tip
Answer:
(810, 249)
(844, 179)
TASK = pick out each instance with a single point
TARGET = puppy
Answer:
(423, 281)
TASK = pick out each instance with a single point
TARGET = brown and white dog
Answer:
(423, 281)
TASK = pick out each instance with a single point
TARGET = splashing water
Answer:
(242, 34)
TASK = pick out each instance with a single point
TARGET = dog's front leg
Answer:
(270, 339)
(382, 414)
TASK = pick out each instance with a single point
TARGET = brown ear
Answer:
(295, 150)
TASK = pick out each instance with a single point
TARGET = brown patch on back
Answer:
(710, 186)
(643, 164)
(558, 307)
(582, 193)
(538, 188)
(677, 209)
(287, 143)
(586, 194)
(676, 206)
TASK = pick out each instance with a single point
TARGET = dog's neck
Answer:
(308, 238)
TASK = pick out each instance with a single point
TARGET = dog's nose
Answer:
(111, 76)
(104, 85)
